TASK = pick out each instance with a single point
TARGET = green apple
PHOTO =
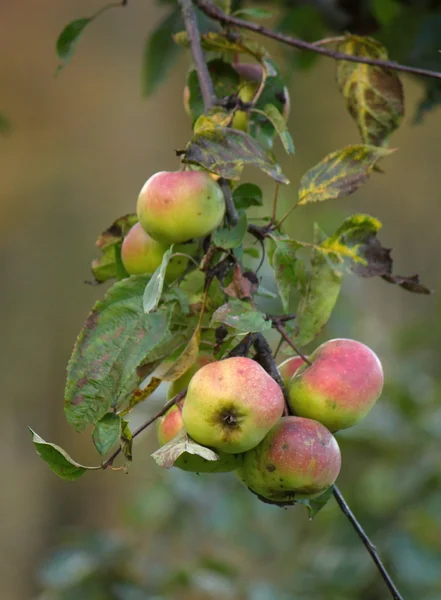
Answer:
(178, 206)
(341, 385)
(231, 405)
(142, 254)
(298, 458)
(289, 367)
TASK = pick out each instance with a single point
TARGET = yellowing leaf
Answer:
(340, 173)
(374, 95)
(168, 454)
(185, 360)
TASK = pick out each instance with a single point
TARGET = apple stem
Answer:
(367, 543)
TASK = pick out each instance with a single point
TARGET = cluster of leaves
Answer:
(145, 327)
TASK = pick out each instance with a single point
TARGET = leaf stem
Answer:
(367, 543)
(217, 14)
(277, 325)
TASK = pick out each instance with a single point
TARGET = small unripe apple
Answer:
(180, 384)
(298, 458)
(231, 405)
(341, 385)
(178, 206)
(142, 254)
(168, 427)
(289, 367)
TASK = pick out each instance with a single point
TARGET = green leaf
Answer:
(240, 316)
(386, 10)
(153, 290)
(58, 459)
(126, 439)
(141, 394)
(167, 455)
(319, 290)
(227, 238)
(226, 152)
(160, 52)
(109, 265)
(106, 432)
(68, 39)
(246, 195)
(283, 259)
(115, 339)
(340, 173)
(374, 95)
(315, 505)
(254, 13)
(280, 125)
(5, 125)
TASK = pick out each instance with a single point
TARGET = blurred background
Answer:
(81, 147)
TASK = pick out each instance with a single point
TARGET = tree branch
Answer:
(204, 78)
(265, 358)
(367, 543)
(107, 463)
(218, 15)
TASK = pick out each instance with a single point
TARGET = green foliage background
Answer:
(81, 148)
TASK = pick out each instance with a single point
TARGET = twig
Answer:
(200, 64)
(243, 347)
(279, 346)
(277, 325)
(265, 358)
(367, 543)
(218, 15)
(109, 462)
(276, 197)
(232, 214)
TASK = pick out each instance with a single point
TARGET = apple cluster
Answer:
(234, 407)
(172, 208)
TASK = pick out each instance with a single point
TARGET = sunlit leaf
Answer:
(167, 455)
(340, 173)
(153, 290)
(374, 95)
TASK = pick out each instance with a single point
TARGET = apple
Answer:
(177, 206)
(180, 384)
(231, 405)
(170, 424)
(289, 367)
(142, 254)
(298, 458)
(341, 385)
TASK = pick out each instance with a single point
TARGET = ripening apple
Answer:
(170, 424)
(298, 458)
(142, 254)
(180, 384)
(289, 367)
(341, 385)
(178, 206)
(231, 405)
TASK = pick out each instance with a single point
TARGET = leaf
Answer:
(280, 125)
(153, 290)
(68, 39)
(319, 291)
(226, 152)
(374, 95)
(167, 455)
(246, 195)
(160, 52)
(340, 173)
(356, 246)
(106, 432)
(283, 260)
(5, 125)
(227, 238)
(141, 394)
(126, 440)
(315, 505)
(58, 459)
(254, 13)
(186, 359)
(241, 316)
(240, 286)
(109, 265)
(115, 339)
